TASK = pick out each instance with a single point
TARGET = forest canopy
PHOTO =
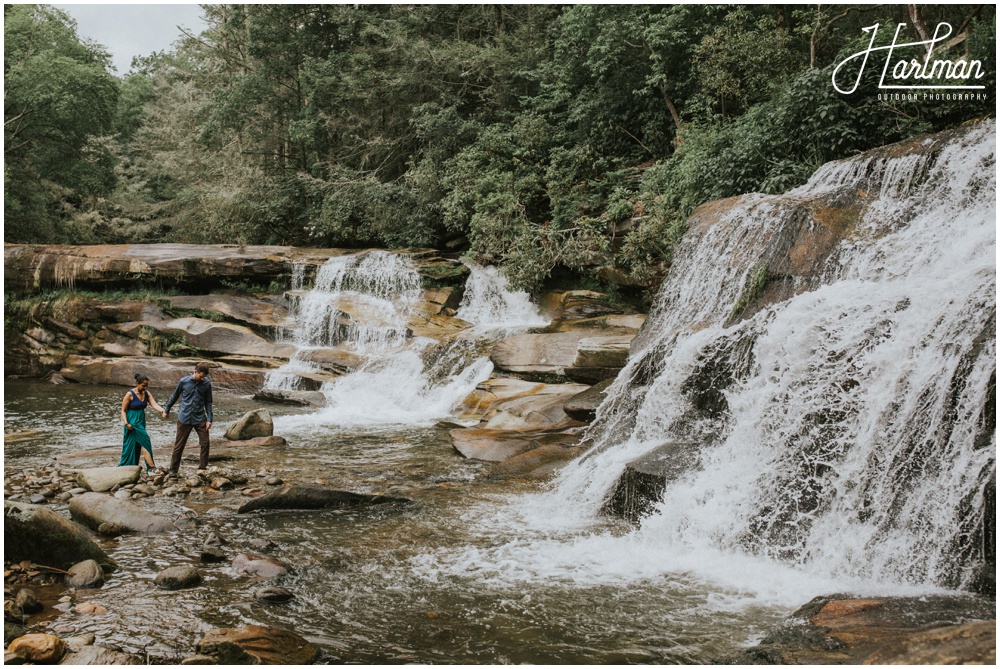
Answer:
(540, 138)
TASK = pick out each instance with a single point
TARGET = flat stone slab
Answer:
(94, 509)
(41, 535)
(501, 445)
(103, 479)
(250, 311)
(222, 338)
(609, 351)
(542, 410)
(538, 463)
(163, 373)
(316, 497)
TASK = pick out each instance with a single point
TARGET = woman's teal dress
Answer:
(137, 437)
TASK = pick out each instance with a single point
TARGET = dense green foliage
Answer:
(541, 138)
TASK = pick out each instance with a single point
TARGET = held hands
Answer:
(163, 414)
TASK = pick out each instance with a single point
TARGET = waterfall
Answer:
(360, 306)
(850, 429)
(490, 305)
(828, 405)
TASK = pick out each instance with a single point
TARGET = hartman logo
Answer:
(912, 74)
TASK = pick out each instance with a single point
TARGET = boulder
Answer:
(580, 304)
(86, 574)
(603, 351)
(27, 602)
(258, 566)
(12, 631)
(545, 353)
(273, 594)
(294, 397)
(316, 497)
(255, 644)
(103, 479)
(94, 509)
(642, 483)
(253, 424)
(500, 445)
(537, 463)
(41, 535)
(583, 406)
(176, 578)
(591, 375)
(542, 410)
(837, 629)
(333, 360)
(38, 648)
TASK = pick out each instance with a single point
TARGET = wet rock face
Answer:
(95, 509)
(894, 630)
(41, 535)
(38, 648)
(176, 578)
(86, 574)
(640, 487)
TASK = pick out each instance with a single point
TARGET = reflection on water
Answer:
(373, 586)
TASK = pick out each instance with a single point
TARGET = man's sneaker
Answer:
(171, 475)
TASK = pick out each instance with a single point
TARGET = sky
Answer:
(133, 29)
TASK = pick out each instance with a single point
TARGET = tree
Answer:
(59, 96)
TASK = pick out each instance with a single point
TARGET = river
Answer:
(426, 584)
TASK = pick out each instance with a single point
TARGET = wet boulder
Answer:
(837, 629)
(303, 398)
(642, 484)
(273, 594)
(86, 574)
(253, 424)
(103, 479)
(41, 535)
(259, 566)
(316, 497)
(176, 578)
(583, 406)
(38, 648)
(27, 602)
(256, 644)
(94, 509)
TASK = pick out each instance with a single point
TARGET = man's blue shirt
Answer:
(196, 401)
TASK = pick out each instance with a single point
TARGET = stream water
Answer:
(420, 584)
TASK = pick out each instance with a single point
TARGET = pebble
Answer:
(273, 480)
(221, 483)
(38, 499)
(77, 491)
(123, 494)
(211, 554)
(262, 544)
(214, 539)
(65, 497)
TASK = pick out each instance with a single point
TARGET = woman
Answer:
(135, 440)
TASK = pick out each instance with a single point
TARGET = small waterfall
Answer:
(360, 305)
(490, 305)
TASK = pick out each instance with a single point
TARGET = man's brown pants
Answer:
(180, 441)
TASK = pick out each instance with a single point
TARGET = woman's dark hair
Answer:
(139, 378)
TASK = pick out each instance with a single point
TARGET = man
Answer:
(195, 413)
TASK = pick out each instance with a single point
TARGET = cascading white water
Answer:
(489, 304)
(850, 434)
(362, 304)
